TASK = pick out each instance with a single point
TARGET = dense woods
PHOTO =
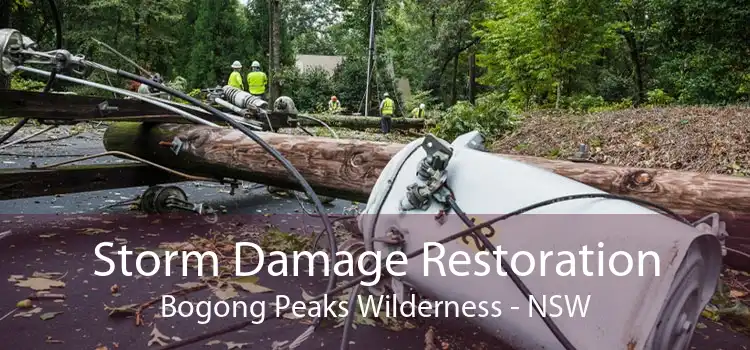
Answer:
(481, 60)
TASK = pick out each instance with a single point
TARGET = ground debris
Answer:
(124, 310)
(729, 304)
(40, 283)
(29, 313)
(701, 139)
(49, 315)
(157, 337)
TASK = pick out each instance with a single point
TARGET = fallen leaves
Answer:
(727, 305)
(279, 345)
(249, 284)
(29, 313)
(232, 345)
(50, 340)
(40, 283)
(49, 315)
(15, 278)
(429, 340)
(190, 285)
(90, 231)
(225, 291)
(701, 139)
(124, 310)
(157, 338)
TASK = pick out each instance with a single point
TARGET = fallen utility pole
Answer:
(362, 123)
(348, 169)
(25, 183)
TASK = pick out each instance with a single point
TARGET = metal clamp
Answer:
(105, 109)
(431, 171)
(176, 145)
(716, 227)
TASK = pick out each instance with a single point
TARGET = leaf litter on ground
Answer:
(728, 304)
(29, 313)
(40, 283)
(157, 337)
(49, 315)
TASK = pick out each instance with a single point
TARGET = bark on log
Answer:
(348, 169)
(362, 123)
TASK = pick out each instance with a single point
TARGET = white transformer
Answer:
(638, 310)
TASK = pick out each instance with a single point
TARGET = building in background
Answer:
(329, 64)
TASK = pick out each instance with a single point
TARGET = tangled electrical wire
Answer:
(313, 197)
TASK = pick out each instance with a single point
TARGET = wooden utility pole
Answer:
(348, 169)
(370, 54)
(353, 166)
(274, 19)
(4, 23)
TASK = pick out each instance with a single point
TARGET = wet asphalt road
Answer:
(45, 236)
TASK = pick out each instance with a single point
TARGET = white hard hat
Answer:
(236, 64)
(385, 94)
(255, 64)
(421, 106)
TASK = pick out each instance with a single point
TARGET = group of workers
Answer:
(386, 111)
(257, 81)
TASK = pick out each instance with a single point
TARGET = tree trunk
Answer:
(454, 97)
(348, 169)
(362, 123)
(4, 23)
(472, 76)
(635, 59)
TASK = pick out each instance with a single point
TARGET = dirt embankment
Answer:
(702, 139)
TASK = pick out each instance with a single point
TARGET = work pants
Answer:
(385, 124)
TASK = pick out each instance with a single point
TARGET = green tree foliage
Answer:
(489, 116)
(576, 54)
(537, 47)
(221, 30)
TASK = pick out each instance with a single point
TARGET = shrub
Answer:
(490, 116)
(658, 97)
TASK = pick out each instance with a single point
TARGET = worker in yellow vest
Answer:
(386, 113)
(235, 79)
(418, 112)
(257, 81)
(334, 105)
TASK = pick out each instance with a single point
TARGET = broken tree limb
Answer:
(362, 123)
(348, 169)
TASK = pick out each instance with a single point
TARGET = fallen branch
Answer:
(362, 123)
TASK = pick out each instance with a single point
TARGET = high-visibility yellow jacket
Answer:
(334, 105)
(386, 107)
(417, 112)
(256, 82)
(235, 80)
